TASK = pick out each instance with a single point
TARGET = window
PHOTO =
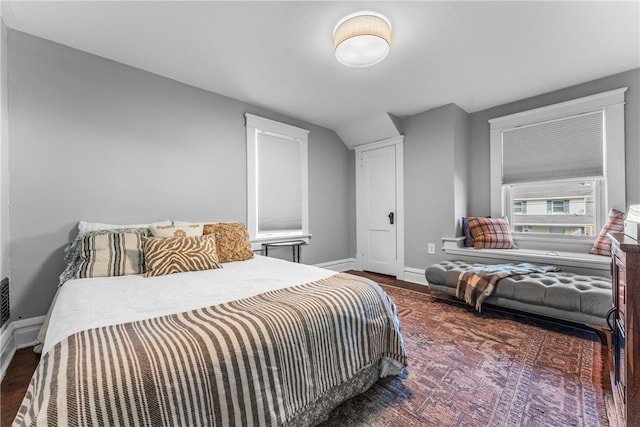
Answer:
(520, 207)
(277, 205)
(557, 170)
(564, 207)
(557, 207)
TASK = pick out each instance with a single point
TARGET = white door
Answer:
(377, 210)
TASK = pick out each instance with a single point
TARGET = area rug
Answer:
(483, 369)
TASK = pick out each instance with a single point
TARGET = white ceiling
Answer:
(279, 55)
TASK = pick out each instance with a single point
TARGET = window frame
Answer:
(256, 125)
(613, 193)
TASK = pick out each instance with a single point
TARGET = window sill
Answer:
(580, 262)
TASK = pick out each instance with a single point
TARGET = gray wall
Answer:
(435, 161)
(4, 157)
(461, 136)
(96, 140)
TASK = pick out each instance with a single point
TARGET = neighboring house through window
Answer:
(277, 177)
(557, 170)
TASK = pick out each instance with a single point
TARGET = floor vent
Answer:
(4, 300)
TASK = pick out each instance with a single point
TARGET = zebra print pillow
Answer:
(168, 255)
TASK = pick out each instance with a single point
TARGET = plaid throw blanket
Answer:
(477, 284)
(262, 360)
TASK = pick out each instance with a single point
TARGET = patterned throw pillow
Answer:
(182, 230)
(232, 241)
(466, 232)
(168, 255)
(615, 224)
(106, 254)
(491, 233)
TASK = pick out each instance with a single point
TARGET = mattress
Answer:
(90, 303)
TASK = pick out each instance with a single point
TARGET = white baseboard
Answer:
(415, 275)
(339, 265)
(16, 335)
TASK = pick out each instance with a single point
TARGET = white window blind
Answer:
(279, 183)
(570, 147)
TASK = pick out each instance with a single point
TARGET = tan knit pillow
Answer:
(232, 241)
(168, 255)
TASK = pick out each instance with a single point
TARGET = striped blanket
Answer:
(262, 360)
(477, 284)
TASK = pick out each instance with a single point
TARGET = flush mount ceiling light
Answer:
(362, 39)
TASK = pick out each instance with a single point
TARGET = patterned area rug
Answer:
(483, 369)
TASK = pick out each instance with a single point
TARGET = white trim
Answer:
(614, 166)
(415, 275)
(254, 126)
(398, 143)
(16, 335)
(274, 127)
(550, 112)
(400, 206)
(339, 265)
(379, 144)
(496, 195)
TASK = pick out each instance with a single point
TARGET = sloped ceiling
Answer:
(279, 55)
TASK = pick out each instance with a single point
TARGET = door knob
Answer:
(390, 217)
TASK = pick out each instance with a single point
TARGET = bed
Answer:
(259, 341)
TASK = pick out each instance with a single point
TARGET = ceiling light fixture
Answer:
(362, 39)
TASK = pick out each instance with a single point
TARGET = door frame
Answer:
(398, 143)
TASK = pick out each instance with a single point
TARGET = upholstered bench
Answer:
(561, 295)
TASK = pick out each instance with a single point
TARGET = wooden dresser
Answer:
(625, 323)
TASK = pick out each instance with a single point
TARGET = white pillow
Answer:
(87, 227)
(188, 230)
(187, 223)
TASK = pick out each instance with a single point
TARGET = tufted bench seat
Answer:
(561, 295)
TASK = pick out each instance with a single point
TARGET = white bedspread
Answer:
(88, 303)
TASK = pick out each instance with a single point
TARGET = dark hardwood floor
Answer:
(15, 383)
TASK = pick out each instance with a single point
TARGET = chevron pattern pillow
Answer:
(169, 255)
